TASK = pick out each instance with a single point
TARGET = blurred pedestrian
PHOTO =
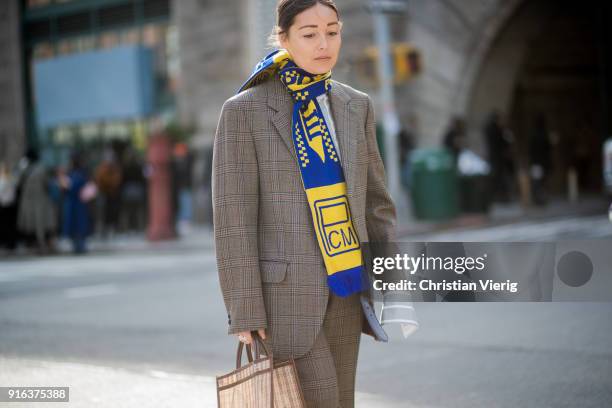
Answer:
(133, 193)
(22, 169)
(499, 149)
(182, 161)
(108, 180)
(454, 139)
(36, 211)
(8, 208)
(406, 145)
(76, 219)
(540, 159)
(202, 173)
(406, 142)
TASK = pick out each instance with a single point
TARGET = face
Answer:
(314, 39)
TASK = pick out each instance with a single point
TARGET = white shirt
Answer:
(324, 103)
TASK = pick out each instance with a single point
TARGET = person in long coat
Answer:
(278, 272)
(36, 212)
(8, 208)
(76, 218)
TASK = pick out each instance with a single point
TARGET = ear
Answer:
(282, 39)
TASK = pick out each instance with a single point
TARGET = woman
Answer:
(8, 208)
(76, 219)
(133, 193)
(36, 214)
(108, 177)
(298, 183)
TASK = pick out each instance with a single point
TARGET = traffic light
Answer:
(406, 60)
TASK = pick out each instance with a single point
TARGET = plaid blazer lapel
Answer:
(280, 100)
(339, 103)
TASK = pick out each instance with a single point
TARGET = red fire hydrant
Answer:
(161, 225)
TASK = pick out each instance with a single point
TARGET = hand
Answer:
(247, 338)
(64, 181)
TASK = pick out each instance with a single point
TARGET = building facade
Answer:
(521, 58)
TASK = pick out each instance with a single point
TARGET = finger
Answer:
(262, 333)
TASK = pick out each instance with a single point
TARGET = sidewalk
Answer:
(97, 386)
(197, 238)
(501, 214)
(200, 237)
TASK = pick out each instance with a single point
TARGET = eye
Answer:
(309, 36)
(333, 33)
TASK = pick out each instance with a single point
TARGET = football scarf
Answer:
(321, 170)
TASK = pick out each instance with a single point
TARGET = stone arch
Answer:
(539, 59)
(482, 41)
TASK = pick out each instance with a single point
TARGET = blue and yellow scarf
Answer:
(321, 170)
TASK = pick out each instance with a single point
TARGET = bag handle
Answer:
(267, 351)
(257, 340)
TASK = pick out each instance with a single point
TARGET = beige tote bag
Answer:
(262, 383)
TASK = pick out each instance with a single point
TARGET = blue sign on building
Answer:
(111, 84)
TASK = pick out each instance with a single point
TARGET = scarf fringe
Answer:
(347, 282)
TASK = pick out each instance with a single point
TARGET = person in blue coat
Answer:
(76, 219)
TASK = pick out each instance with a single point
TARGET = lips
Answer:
(323, 58)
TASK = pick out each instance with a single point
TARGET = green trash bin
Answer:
(434, 184)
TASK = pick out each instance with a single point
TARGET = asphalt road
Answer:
(161, 311)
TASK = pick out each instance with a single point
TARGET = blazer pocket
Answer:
(273, 271)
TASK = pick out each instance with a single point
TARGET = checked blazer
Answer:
(271, 270)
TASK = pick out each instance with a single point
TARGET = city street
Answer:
(145, 326)
(477, 134)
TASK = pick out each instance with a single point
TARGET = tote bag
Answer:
(261, 383)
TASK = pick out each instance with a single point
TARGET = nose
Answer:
(323, 43)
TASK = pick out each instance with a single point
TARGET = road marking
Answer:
(90, 291)
(184, 377)
(36, 268)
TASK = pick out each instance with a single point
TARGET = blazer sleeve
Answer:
(235, 194)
